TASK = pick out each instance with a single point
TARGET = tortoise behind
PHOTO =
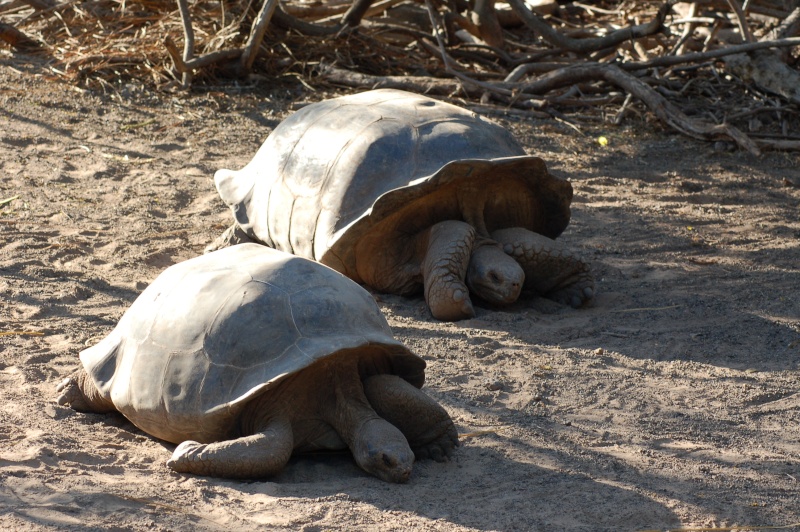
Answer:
(404, 193)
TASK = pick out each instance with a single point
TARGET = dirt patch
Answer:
(673, 400)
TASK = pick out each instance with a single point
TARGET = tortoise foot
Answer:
(426, 425)
(259, 455)
(577, 294)
(551, 270)
(441, 448)
(186, 457)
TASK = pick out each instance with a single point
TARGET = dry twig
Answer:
(572, 65)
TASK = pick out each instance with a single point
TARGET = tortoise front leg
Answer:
(444, 267)
(425, 424)
(257, 456)
(550, 269)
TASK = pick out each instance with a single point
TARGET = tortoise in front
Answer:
(404, 194)
(247, 355)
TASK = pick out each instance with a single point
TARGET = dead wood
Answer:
(448, 62)
(188, 40)
(789, 27)
(257, 34)
(16, 38)
(589, 45)
(666, 111)
(767, 71)
(697, 57)
(198, 63)
(419, 84)
(40, 4)
(287, 21)
(779, 144)
(741, 20)
(566, 68)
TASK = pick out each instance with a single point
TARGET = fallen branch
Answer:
(448, 62)
(593, 44)
(779, 144)
(665, 110)
(39, 5)
(694, 57)
(16, 38)
(419, 84)
(287, 21)
(257, 34)
(198, 62)
(188, 42)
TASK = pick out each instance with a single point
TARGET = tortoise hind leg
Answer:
(256, 456)
(80, 393)
(551, 270)
(425, 424)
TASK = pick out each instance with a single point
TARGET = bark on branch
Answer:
(665, 110)
(585, 46)
(16, 38)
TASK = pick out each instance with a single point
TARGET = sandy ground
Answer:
(673, 401)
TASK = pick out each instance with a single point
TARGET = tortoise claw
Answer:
(440, 449)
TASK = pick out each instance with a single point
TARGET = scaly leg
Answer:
(426, 425)
(256, 456)
(444, 268)
(550, 269)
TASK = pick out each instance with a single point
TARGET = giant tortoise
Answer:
(246, 355)
(404, 193)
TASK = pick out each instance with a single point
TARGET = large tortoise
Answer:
(246, 355)
(404, 193)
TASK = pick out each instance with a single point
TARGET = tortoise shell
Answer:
(213, 332)
(333, 171)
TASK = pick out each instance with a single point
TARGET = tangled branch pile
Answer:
(711, 69)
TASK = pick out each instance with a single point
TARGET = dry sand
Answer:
(673, 401)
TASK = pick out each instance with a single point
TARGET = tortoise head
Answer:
(382, 450)
(493, 275)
